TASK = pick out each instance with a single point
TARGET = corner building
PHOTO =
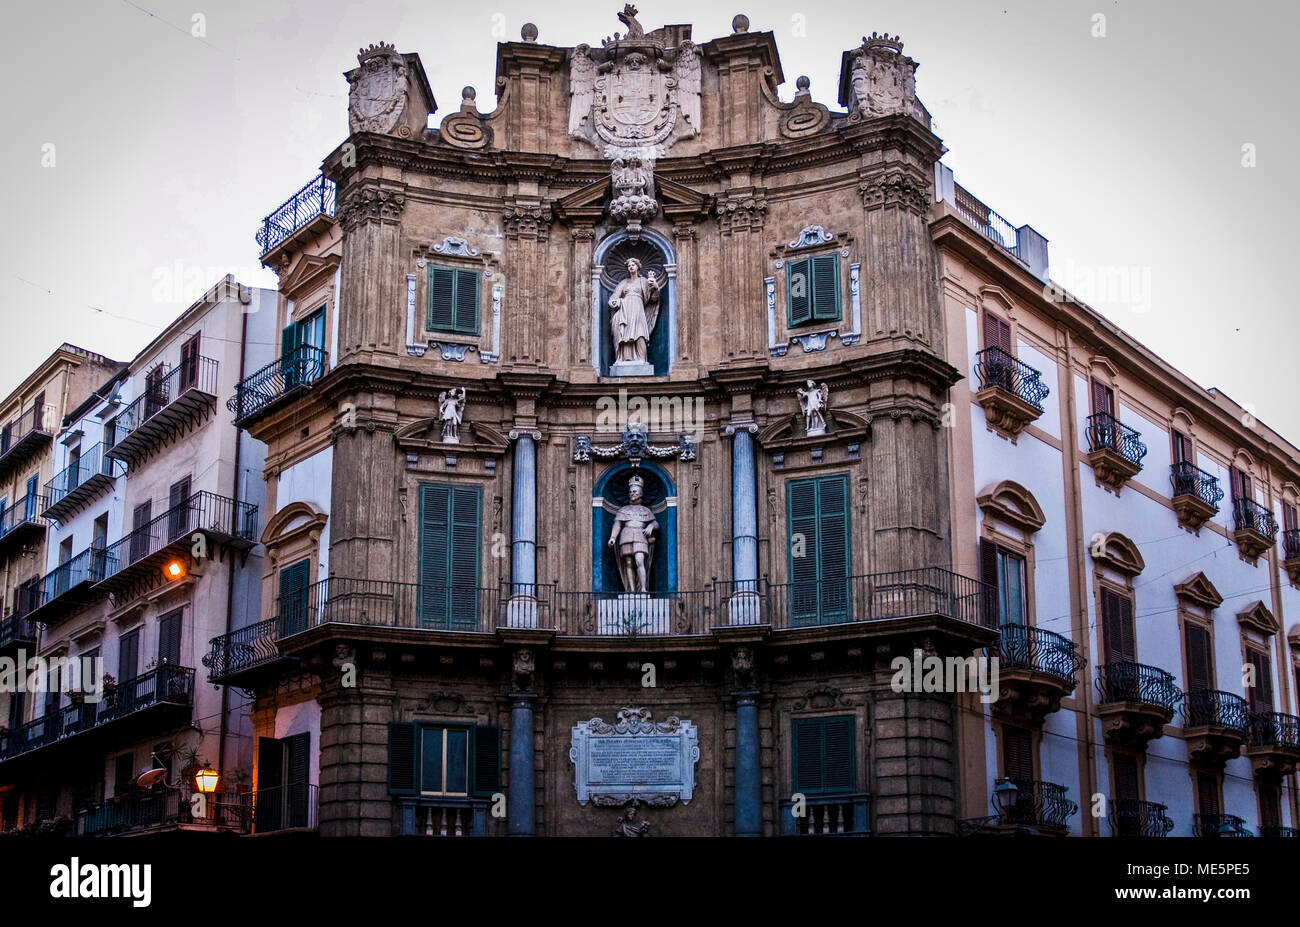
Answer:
(446, 645)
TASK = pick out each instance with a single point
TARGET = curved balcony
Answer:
(236, 655)
(1130, 817)
(169, 405)
(1011, 392)
(1274, 745)
(1291, 554)
(301, 215)
(21, 524)
(79, 483)
(266, 389)
(1215, 724)
(1277, 830)
(1255, 528)
(1219, 825)
(1033, 807)
(23, 435)
(1115, 451)
(1036, 669)
(1135, 702)
(1196, 494)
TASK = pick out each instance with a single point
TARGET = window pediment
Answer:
(1198, 590)
(1012, 503)
(1257, 617)
(1118, 552)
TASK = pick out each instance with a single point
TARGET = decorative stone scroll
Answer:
(635, 759)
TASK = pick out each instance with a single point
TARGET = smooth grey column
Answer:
(744, 512)
(521, 813)
(749, 808)
(523, 517)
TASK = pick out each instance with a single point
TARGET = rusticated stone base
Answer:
(914, 761)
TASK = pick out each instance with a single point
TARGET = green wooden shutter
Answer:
(297, 762)
(463, 558)
(807, 752)
(833, 547)
(435, 538)
(838, 754)
(467, 301)
(293, 597)
(487, 760)
(442, 299)
(823, 754)
(267, 815)
(801, 521)
(401, 758)
(826, 287)
(799, 291)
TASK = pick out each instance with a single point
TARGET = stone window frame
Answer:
(1254, 635)
(455, 254)
(846, 707)
(1125, 587)
(1197, 601)
(1140, 755)
(287, 543)
(779, 562)
(994, 301)
(814, 334)
(1022, 548)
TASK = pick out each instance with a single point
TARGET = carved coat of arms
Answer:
(378, 91)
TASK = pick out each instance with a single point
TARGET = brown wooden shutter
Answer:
(1261, 693)
(997, 333)
(1117, 627)
(1103, 399)
(1182, 448)
(1270, 805)
(1126, 778)
(1207, 793)
(1017, 753)
(1200, 666)
(1288, 517)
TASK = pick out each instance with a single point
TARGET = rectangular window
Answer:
(1200, 656)
(1126, 777)
(1118, 635)
(1207, 793)
(155, 390)
(1270, 807)
(1017, 753)
(123, 773)
(442, 759)
(1260, 695)
(450, 539)
(141, 534)
(304, 367)
(1182, 448)
(1103, 399)
(812, 292)
(997, 333)
(1005, 572)
(819, 555)
(99, 547)
(453, 300)
(38, 412)
(823, 755)
(1242, 487)
(169, 639)
(283, 772)
(110, 434)
(1289, 521)
(293, 597)
(179, 515)
(128, 655)
(189, 375)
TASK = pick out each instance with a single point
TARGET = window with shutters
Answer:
(1270, 807)
(169, 638)
(179, 515)
(1242, 486)
(1118, 633)
(1183, 448)
(449, 550)
(812, 289)
(1260, 695)
(128, 655)
(1199, 652)
(293, 597)
(1103, 399)
(453, 304)
(1006, 571)
(999, 369)
(1207, 793)
(1124, 769)
(1017, 753)
(820, 558)
(448, 760)
(823, 757)
(124, 773)
(283, 783)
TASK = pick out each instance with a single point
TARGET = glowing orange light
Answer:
(175, 570)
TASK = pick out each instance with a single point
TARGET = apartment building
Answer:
(152, 513)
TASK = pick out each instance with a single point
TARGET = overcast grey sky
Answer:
(1125, 151)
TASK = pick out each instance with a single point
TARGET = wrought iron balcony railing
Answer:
(847, 815)
(215, 515)
(1249, 515)
(1037, 804)
(317, 198)
(242, 650)
(1291, 544)
(16, 630)
(80, 480)
(1277, 830)
(994, 367)
(1130, 817)
(141, 811)
(24, 432)
(194, 377)
(1025, 647)
(165, 684)
(1189, 480)
(1106, 432)
(1213, 708)
(1125, 681)
(1219, 825)
(983, 218)
(86, 567)
(24, 512)
(876, 596)
(285, 807)
(1275, 729)
(296, 370)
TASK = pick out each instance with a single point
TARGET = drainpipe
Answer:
(230, 579)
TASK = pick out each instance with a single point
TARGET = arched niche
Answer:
(655, 253)
(660, 495)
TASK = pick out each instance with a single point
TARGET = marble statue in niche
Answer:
(813, 400)
(635, 302)
(451, 411)
(633, 537)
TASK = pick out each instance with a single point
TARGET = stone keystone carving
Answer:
(378, 92)
(882, 79)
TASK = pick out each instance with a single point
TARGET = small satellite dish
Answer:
(151, 777)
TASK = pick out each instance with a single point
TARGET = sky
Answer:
(144, 142)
